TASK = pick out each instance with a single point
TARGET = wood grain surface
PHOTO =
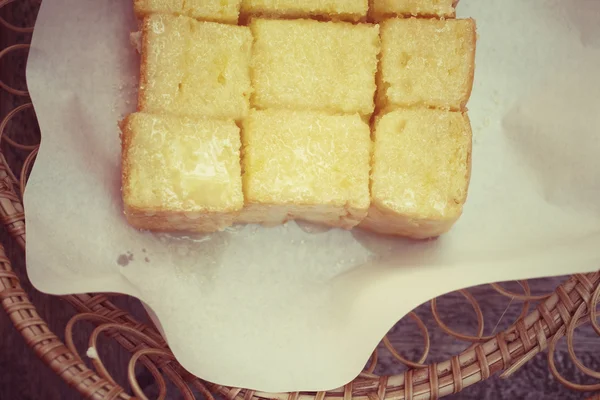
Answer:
(24, 377)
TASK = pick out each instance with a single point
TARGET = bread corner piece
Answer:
(343, 10)
(384, 9)
(421, 172)
(210, 10)
(180, 174)
(194, 68)
(305, 165)
(426, 62)
(313, 65)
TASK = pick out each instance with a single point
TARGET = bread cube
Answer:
(384, 9)
(421, 170)
(427, 63)
(180, 174)
(312, 65)
(194, 69)
(305, 165)
(344, 10)
(209, 10)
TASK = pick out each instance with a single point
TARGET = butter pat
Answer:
(344, 10)
(421, 172)
(427, 63)
(194, 69)
(384, 9)
(312, 65)
(210, 10)
(180, 174)
(305, 165)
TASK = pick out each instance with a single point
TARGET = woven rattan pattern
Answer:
(556, 315)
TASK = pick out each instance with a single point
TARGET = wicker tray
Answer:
(555, 315)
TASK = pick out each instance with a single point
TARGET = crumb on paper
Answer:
(136, 41)
(147, 259)
(124, 259)
(92, 353)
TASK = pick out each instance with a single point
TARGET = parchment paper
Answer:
(294, 307)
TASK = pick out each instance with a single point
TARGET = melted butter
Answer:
(306, 158)
(420, 162)
(196, 69)
(184, 165)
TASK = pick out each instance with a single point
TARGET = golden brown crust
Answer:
(170, 221)
(246, 17)
(381, 98)
(161, 218)
(469, 131)
(381, 220)
(377, 16)
(143, 67)
(143, 8)
(138, 7)
(126, 135)
(467, 95)
(247, 12)
(381, 17)
(344, 217)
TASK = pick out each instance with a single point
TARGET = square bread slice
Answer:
(426, 63)
(311, 65)
(209, 10)
(194, 69)
(385, 9)
(421, 171)
(343, 10)
(180, 174)
(305, 165)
